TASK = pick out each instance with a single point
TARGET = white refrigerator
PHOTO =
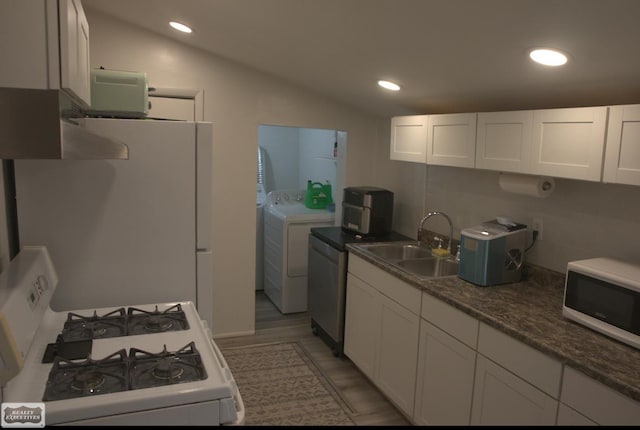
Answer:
(126, 232)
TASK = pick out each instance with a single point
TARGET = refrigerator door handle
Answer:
(204, 185)
(204, 285)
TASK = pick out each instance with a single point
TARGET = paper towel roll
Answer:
(535, 186)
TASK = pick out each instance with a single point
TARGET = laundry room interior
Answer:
(289, 161)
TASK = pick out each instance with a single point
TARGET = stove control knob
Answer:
(41, 284)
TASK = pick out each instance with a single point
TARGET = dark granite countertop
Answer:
(531, 312)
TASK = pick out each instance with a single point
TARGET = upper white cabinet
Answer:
(504, 141)
(451, 140)
(568, 143)
(74, 50)
(46, 44)
(564, 143)
(622, 156)
(409, 138)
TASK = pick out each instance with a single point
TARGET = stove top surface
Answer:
(124, 373)
(89, 380)
(121, 322)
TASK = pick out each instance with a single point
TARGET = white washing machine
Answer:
(287, 224)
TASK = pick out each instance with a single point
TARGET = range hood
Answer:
(42, 124)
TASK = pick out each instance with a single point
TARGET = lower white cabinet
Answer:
(397, 353)
(362, 324)
(597, 402)
(381, 334)
(569, 417)
(501, 398)
(515, 384)
(444, 387)
(440, 366)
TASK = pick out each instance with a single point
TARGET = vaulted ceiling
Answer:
(447, 55)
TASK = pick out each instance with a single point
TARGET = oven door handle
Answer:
(240, 410)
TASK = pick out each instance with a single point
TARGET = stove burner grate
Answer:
(165, 368)
(70, 379)
(145, 322)
(118, 323)
(87, 380)
(79, 327)
(121, 372)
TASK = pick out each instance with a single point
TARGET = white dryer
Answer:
(287, 224)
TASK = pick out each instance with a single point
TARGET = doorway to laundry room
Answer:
(290, 161)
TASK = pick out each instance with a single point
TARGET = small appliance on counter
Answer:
(119, 94)
(604, 295)
(492, 253)
(367, 211)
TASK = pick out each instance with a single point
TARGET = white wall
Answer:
(581, 219)
(406, 180)
(292, 156)
(281, 152)
(236, 100)
(316, 157)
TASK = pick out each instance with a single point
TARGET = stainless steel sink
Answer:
(399, 251)
(430, 267)
(413, 258)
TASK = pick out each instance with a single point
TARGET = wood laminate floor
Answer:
(367, 404)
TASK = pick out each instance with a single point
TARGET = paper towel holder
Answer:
(526, 184)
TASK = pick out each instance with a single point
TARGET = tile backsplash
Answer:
(581, 219)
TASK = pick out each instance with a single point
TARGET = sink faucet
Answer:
(429, 215)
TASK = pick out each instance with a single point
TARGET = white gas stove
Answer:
(150, 364)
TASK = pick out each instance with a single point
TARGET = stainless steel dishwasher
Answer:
(327, 280)
(326, 292)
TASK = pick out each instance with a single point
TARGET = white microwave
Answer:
(604, 295)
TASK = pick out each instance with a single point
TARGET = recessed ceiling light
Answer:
(389, 85)
(180, 27)
(548, 57)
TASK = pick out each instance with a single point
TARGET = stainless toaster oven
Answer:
(367, 211)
